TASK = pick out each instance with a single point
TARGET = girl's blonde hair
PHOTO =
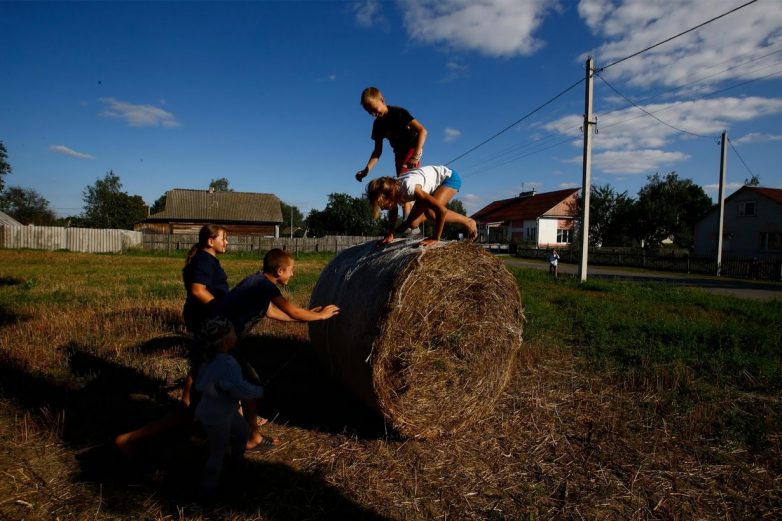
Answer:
(381, 191)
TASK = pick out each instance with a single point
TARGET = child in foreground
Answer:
(221, 386)
(430, 188)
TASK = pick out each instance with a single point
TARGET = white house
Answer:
(752, 226)
(545, 219)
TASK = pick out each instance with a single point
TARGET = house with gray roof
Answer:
(241, 213)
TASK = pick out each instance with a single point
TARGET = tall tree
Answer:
(291, 216)
(343, 215)
(451, 231)
(669, 207)
(106, 206)
(610, 216)
(159, 205)
(5, 166)
(220, 185)
(27, 206)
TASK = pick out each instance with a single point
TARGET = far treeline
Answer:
(666, 207)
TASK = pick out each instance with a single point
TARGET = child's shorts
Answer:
(454, 181)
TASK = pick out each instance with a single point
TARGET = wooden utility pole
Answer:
(721, 195)
(586, 182)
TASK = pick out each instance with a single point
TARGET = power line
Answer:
(730, 142)
(676, 36)
(516, 122)
(649, 113)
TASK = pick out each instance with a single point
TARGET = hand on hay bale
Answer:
(427, 337)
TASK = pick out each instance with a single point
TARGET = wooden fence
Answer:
(761, 268)
(88, 240)
(336, 243)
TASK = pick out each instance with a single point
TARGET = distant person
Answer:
(405, 134)
(429, 188)
(258, 296)
(553, 261)
(221, 386)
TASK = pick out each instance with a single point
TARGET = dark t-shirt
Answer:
(248, 301)
(395, 126)
(205, 269)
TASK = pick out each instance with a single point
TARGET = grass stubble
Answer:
(628, 402)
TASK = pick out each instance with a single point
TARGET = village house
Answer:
(541, 220)
(241, 213)
(752, 226)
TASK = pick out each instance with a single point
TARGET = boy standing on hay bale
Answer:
(221, 386)
(430, 188)
(257, 296)
(405, 134)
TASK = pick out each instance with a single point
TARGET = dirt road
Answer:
(750, 289)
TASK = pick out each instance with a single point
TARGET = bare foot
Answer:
(261, 421)
(122, 442)
(258, 440)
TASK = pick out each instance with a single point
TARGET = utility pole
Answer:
(586, 182)
(291, 221)
(721, 195)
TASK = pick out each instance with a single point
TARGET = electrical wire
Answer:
(740, 158)
(676, 36)
(551, 100)
(631, 102)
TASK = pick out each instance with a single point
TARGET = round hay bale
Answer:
(427, 337)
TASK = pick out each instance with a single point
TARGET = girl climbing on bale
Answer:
(429, 188)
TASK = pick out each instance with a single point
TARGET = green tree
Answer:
(106, 206)
(27, 206)
(610, 216)
(159, 205)
(5, 166)
(343, 215)
(289, 211)
(669, 207)
(220, 185)
(752, 181)
(451, 231)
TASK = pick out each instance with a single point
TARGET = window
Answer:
(563, 235)
(532, 234)
(747, 209)
(771, 241)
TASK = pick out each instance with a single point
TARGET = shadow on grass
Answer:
(298, 391)
(10, 281)
(9, 317)
(100, 399)
(168, 318)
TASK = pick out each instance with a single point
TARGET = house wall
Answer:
(741, 234)
(260, 230)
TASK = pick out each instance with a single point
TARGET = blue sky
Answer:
(266, 94)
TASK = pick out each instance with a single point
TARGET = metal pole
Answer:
(586, 182)
(721, 195)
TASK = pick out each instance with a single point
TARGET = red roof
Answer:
(775, 194)
(519, 208)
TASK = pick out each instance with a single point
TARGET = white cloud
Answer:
(491, 27)
(632, 129)
(757, 137)
(368, 13)
(715, 187)
(710, 53)
(62, 149)
(138, 115)
(632, 161)
(569, 185)
(472, 203)
(451, 134)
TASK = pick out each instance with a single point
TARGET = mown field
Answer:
(629, 401)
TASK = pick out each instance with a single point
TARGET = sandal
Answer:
(266, 443)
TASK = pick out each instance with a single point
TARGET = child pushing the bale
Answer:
(430, 188)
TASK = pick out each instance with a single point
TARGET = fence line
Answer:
(87, 240)
(761, 268)
(335, 243)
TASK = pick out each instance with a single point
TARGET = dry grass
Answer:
(83, 356)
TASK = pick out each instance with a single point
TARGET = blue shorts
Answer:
(454, 181)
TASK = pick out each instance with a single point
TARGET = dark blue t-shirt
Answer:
(205, 269)
(248, 301)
